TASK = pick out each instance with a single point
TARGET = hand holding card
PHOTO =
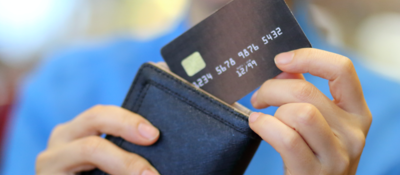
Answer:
(232, 52)
(313, 134)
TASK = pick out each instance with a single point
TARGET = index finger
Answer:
(106, 119)
(344, 84)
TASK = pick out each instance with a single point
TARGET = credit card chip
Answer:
(193, 64)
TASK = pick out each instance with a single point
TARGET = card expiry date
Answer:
(231, 53)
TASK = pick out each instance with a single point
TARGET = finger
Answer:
(89, 152)
(312, 126)
(112, 120)
(277, 92)
(296, 154)
(339, 70)
(285, 75)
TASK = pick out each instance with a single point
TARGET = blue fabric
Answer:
(75, 80)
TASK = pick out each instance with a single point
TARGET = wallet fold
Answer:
(199, 134)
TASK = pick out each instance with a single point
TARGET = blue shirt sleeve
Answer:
(71, 82)
(64, 86)
(31, 125)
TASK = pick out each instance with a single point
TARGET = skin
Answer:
(313, 134)
(76, 146)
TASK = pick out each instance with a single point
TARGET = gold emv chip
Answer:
(193, 64)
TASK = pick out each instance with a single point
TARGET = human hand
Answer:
(313, 134)
(76, 146)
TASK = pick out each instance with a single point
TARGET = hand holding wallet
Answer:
(199, 134)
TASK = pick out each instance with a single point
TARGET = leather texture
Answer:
(198, 133)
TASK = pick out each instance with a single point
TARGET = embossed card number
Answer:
(231, 52)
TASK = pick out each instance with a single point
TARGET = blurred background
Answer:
(32, 29)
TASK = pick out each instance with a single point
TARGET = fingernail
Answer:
(148, 131)
(254, 116)
(148, 172)
(254, 97)
(284, 58)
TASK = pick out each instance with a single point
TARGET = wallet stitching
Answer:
(191, 89)
(142, 94)
(235, 113)
(144, 90)
(191, 103)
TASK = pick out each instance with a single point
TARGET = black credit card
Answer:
(231, 53)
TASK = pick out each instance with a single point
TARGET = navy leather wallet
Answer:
(199, 134)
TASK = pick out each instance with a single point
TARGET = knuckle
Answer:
(92, 115)
(42, 157)
(90, 146)
(304, 91)
(57, 130)
(345, 65)
(266, 83)
(98, 107)
(42, 161)
(358, 143)
(265, 86)
(264, 89)
(135, 163)
(307, 113)
(369, 118)
(93, 112)
(39, 161)
(342, 164)
(291, 141)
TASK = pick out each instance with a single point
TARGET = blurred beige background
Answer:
(369, 27)
(58, 24)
